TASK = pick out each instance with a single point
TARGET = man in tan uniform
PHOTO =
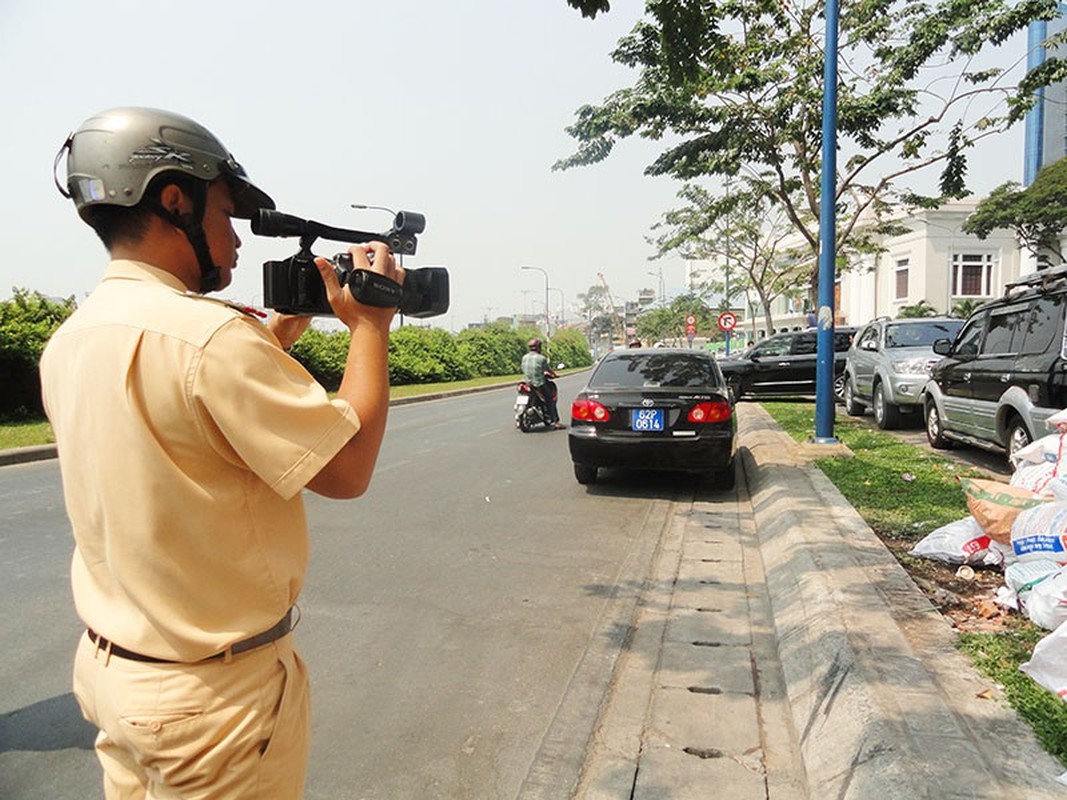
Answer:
(185, 436)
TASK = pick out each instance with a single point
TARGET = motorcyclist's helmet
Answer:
(115, 154)
(535, 345)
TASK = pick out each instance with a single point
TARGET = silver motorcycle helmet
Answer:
(114, 155)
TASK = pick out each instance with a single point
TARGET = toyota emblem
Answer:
(648, 403)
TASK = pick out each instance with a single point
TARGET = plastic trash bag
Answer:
(1048, 663)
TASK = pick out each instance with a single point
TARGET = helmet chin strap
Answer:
(191, 225)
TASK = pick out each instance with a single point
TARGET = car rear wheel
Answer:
(585, 474)
(886, 414)
(839, 387)
(935, 434)
(1018, 436)
(853, 407)
(726, 478)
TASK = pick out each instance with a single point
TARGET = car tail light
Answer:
(589, 411)
(709, 412)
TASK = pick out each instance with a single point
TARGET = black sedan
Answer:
(654, 409)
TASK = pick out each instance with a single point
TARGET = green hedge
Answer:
(27, 320)
(432, 355)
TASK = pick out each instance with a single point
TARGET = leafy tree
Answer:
(590, 8)
(920, 309)
(746, 232)
(736, 88)
(595, 306)
(662, 324)
(1037, 214)
(27, 320)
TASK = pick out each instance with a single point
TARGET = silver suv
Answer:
(888, 365)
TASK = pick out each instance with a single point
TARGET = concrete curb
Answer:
(22, 455)
(883, 704)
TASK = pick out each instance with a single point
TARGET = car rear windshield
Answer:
(634, 370)
(921, 334)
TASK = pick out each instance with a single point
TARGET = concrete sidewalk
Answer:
(780, 651)
(792, 657)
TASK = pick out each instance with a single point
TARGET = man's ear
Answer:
(173, 199)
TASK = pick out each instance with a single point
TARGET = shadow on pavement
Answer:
(52, 724)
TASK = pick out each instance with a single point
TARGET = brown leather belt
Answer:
(280, 629)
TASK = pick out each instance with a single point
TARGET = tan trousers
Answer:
(198, 731)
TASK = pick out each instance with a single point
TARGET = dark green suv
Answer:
(1005, 372)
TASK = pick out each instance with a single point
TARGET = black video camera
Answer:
(294, 286)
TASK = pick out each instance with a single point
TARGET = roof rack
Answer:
(1041, 278)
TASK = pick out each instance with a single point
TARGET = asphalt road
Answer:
(460, 621)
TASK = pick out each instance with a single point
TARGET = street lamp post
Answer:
(659, 274)
(548, 328)
(562, 306)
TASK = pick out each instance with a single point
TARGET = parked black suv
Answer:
(1005, 373)
(783, 365)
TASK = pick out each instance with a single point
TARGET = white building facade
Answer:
(936, 263)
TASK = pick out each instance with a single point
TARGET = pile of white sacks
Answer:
(1021, 526)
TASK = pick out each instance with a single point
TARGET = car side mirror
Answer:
(870, 344)
(943, 347)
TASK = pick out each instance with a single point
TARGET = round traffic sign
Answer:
(690, 319)
(727, 321)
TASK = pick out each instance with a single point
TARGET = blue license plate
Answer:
(646, 419)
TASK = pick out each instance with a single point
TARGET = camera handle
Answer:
(401, 238)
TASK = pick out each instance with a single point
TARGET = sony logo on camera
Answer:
(294, 286)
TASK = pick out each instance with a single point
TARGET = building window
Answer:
(972, 274)
(901, 290)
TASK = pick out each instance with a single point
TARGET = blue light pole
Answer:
(824, 353)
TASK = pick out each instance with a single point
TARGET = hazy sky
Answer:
(455, 109)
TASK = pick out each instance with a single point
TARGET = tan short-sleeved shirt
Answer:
(185, 436)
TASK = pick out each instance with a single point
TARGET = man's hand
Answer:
(349, 310)
(288, 328)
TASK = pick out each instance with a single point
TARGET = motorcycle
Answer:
(529, 408)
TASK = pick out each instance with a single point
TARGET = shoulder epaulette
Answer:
(249, 311)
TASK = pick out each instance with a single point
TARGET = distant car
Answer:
(662, 408)
(1005, 373)
(783, 365)
(888, 364)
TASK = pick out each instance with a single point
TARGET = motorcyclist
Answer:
(538, 373)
